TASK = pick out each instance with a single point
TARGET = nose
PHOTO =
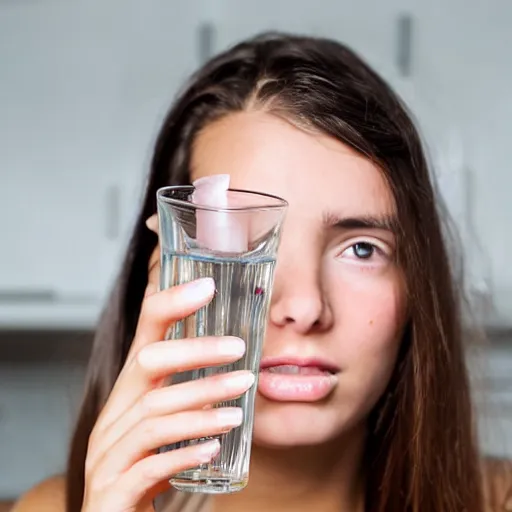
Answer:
(299, 300)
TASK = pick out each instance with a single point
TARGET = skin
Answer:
(328, 302)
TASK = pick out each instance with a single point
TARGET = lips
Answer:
(290, 369)
(316, 363)
(292, 380)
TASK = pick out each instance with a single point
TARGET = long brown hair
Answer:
(421, 451)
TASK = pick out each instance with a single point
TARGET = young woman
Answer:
(363, 288)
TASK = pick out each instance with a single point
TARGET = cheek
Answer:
(369, 311)
(366, 298)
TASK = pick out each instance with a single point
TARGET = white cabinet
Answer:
(83, 88)
(458, 88)
(52, 165)
(462, 64)
(85, 85)
(56, 238)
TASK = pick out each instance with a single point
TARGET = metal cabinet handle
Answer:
(205, 41)
(113, 207)
(23, 296)
(404, 41)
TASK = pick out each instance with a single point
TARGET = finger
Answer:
(154, 260)
(152, 223)
(148, 473)
(164, 308)
(196, 394)
(153, 433)
(158, 312)
(161, 360)
(173, 399)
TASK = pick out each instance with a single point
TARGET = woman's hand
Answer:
(123, 470)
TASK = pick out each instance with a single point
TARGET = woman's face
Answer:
(338, 304)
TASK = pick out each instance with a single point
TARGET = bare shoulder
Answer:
(48, 496)
(497, 474)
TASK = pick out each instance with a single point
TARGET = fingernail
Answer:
(152, 223)
(230, 417)
(231, 346)
(243, 380)
(203, 287)
(209, 449)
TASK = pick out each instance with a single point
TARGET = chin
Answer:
(282, 425)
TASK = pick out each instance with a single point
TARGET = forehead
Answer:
(313, 172)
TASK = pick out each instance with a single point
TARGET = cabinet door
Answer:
(54, 147)
(463, 63)
(55, 234)
(156, 49)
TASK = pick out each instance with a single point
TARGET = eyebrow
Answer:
(383, 222)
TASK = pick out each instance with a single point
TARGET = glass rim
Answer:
(279, 204)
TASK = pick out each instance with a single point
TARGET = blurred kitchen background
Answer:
(84, 85)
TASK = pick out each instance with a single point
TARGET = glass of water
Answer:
(236, 245)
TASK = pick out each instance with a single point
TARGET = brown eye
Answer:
(363, 250)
